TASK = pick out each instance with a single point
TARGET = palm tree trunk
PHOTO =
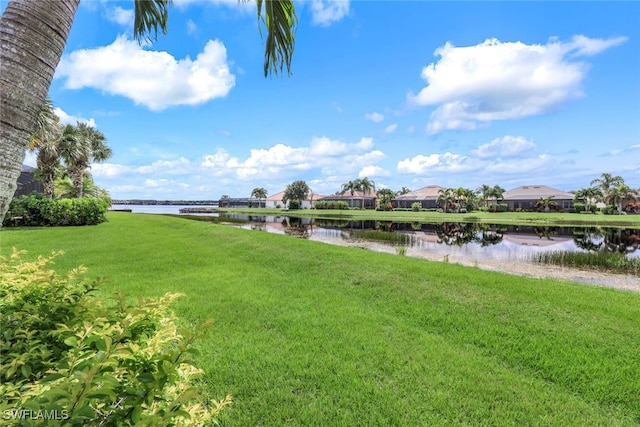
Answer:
(76, 179)
(33, 35)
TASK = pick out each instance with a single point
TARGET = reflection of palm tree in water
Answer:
(546, 232)
(295, 227)
(584, 238)
(455, 233)
(491, 235)
(621, 240)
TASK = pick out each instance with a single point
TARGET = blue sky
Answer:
(406, 93)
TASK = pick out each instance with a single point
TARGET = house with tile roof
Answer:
(275, 201)
(427, 196)
(359, 199)
(526, 197)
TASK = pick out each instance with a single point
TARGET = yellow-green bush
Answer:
(67, 358)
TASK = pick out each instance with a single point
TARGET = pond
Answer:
(455, 240)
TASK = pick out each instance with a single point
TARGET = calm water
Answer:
(473, 241)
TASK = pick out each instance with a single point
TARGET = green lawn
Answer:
(312, 334)
(521, 218)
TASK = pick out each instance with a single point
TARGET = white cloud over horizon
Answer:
(154, 79)
(474, 85)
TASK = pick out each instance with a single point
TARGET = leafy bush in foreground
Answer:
(67, 359)
(36, 210)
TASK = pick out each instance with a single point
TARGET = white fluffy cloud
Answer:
(374, 117)
(121, 16)
(68, 119)
(507, 155)
(507, 146)
(154, 79)
(283, 160)
(499, 81)
(447, 162)
(326, 12)
(372, 171)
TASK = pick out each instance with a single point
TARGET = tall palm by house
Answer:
(606, 182)
(260, 194)
(82, 146)
(44, 142)
(350, 187)
(33, 35)
(366, 186)
(617, 194)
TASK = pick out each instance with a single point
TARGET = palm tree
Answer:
(41, 28)
(484, 192)
(496, 194)
(366, 186)
(351, 187)
(386, 195)
(65, 189)
(606, 182)
(44, 141)
(589, 195)
(83, 145)
(445, 196)
(260, 194)
(617, 194)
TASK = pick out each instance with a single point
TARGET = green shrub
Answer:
(578, 207)
(332, 204)
(610, 210)
(67, 358)
(416, 206)
(36, 210)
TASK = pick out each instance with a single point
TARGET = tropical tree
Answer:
(461, 196)
(33, 35)
(82, 146)
(44, 142)
(546, 203)
(445, 197)
(350, 187)
(65, 189)
(366, 186)
(496, 194)
(404, 190)
(484, 192)
(606, 182)
(260, 194)
(296, 192)
(617, 194)
(386, 195)
(590, 195)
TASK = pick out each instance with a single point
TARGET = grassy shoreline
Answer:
(313, 334)
(503, 218)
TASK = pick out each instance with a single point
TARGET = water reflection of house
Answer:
(426, 196)
(534, 240)
(525, 197)
(27, 182)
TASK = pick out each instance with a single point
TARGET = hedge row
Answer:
(35, 210)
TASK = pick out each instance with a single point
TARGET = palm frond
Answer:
(150, 16)
(280, 20)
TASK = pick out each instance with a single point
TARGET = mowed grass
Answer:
(312, 334)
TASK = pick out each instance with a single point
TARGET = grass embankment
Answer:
(312, 334)
(507, 218)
